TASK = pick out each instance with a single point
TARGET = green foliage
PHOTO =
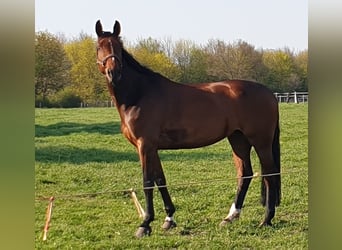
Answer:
(282, 73)
(51, 65)
(43, 102)
(197, 70)
(67, 99)
(301, 65)
(81, 151)
(151, 45)
(71, 64)
(191, 61)
(86, 81)
(149, 53)
(181, 55)
(233, 61)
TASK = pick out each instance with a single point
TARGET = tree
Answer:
(86, 81)
(70, 65)
(151, 45)
(149, 53)
(191, 60)
(246, 62)
(301, 64)
(197, 69)
(51, 65)
(281, 76)
(239, 60)
(181, 56)
(218, 60)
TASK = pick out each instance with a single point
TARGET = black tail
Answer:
(277, 178)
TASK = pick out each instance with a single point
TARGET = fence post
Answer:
(295, 97)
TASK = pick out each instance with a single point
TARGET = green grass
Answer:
(81, 151)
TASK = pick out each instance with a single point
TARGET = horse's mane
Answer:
(135, 64)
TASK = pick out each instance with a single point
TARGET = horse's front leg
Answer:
(153, 174)
(147, 155)
(160, 180)
(145, 228)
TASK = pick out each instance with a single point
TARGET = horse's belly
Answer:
(186, 138)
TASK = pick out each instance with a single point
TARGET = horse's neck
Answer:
(135, 82)
(130, 88)
(111, 92)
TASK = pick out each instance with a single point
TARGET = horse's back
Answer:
(202, 114)
(249, 106)
(239, 90)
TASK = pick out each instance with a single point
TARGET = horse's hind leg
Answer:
(270, 184)
(241, 154)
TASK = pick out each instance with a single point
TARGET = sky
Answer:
(267, 24)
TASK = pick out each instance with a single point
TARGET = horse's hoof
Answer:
(143, 231)
(230, 219)
(169, 224)
(225, 222)
(265, 224)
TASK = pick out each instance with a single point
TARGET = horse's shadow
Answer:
(250, 230)
(75, 155)
(67, 128)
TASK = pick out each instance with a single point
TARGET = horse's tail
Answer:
(276, 178)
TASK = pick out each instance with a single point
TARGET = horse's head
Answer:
(109, 48)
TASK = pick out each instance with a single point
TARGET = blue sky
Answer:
(268, 24)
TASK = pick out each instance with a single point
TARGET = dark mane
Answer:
(135, 64)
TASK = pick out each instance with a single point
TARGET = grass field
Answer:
(80, 151)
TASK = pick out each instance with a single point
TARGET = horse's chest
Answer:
(128, 133)
(129, 117)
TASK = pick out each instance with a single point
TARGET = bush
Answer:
(67, 99)
(44, 102)
(62, 99)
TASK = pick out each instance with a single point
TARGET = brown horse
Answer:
(157, 113)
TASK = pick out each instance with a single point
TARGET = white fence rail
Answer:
(296, 97)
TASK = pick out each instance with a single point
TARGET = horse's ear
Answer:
(116, 29)
(98, 28)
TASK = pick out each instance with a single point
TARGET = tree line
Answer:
(66, 73)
